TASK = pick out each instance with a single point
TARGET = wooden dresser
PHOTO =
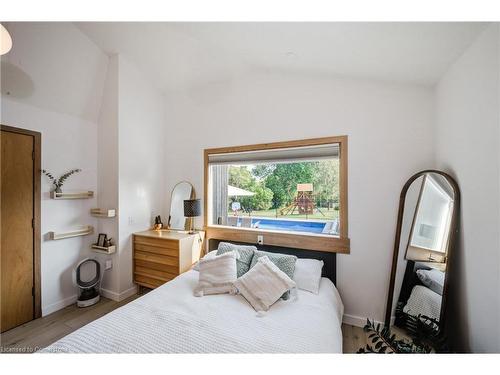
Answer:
(160, 256)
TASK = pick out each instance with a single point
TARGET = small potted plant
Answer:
(59, 182)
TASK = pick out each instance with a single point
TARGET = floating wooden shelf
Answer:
(104, 250)
(100, 212)
(88, 229)
(72, 195)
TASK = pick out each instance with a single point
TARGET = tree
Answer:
(326, 180)
(242, 177)
(283, 180)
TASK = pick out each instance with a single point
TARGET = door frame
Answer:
(37, 169)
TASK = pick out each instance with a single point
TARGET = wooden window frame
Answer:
(318, 242)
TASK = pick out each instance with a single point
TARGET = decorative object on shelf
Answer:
(192, 208)
(424, 338)
(59, 182)
(72, 195)
(88, 229)
(158, 224)
(101, 239)
(108, 242)
(104, 244)
(106, 248)
(100, 212)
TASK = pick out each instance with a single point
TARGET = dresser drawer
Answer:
(155, 258)
(156, 249)
(174, 270)
(156, 242)
(149, 281)
(155, 274)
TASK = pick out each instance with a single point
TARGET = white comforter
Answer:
(170, 319)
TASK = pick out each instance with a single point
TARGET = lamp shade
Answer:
(5, 40)
(192, 207)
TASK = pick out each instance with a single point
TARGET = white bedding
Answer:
(170, 319)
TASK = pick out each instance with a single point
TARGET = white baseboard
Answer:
(356, 320)
(53, 307)
(118, 296)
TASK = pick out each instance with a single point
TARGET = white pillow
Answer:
(217, 275)
(263, 284)
(307, 274)
(210, 255)
(433, 279)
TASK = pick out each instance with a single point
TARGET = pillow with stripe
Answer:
(263, 284)
(216, 275)
(285, 262)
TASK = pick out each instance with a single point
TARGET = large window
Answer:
(280, 193)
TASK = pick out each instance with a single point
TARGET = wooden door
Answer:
(19, 258)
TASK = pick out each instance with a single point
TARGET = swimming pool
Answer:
(289, 225)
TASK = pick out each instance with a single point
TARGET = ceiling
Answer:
(177, 55)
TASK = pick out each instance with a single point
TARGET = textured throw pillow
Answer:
(264, 284)
(217, 275)
(307, 274)
(432, 279)
(244, 255)
(284, 262)
(210, 255)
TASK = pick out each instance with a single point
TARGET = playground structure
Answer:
(304, 202)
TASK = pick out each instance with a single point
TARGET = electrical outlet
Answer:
(260, 240)
(108, 265)
(131, 220)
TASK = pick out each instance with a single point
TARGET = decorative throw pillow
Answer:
(216, 275)
(432, 279)
(284, 262)
(263, 284)
(243, 258)
(307, 274)
(210, 255)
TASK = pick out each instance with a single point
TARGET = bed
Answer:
(170, 319)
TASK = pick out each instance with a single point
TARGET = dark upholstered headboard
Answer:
(329, 259)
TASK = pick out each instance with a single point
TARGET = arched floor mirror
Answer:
(423, 247)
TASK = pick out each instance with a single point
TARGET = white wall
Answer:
(467, 146)
(45, 61)
(107, 194)
(67, 142)
(53, 81)
(389, 129)
(142, 126)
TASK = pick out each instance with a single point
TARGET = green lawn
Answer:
(328, 214)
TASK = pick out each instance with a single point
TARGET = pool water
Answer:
(289, 225)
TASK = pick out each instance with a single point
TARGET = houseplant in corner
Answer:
(424, 338)
(59, 182)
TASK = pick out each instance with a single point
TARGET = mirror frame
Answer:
(193, 195)
(397, 240)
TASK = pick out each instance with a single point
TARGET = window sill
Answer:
(310, 241)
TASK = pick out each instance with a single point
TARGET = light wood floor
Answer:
(42, 332)
(39, 333)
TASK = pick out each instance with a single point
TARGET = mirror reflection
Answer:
(419, 275)
(182, 191)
